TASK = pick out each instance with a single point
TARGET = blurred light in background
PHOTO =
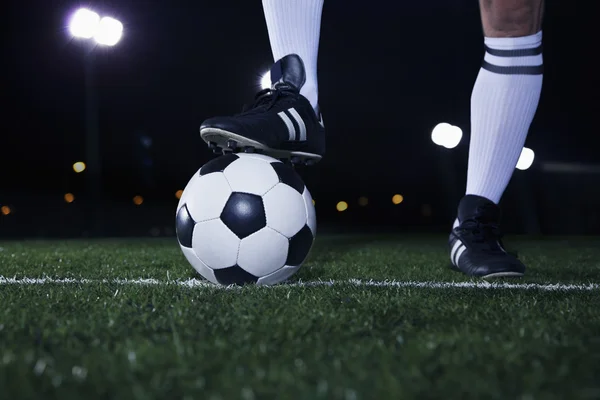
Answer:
(446, 135)
(397, 199)
(69, 197)
(525, 159)
(5, 210)
(341, 206)
(426, 210)
(178, 193)
(85, 24)
(363, 201)
(109, 31)
(138, 200)
(79, 166)
(265, 80)
(314, 202)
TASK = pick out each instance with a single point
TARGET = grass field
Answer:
(366, 318)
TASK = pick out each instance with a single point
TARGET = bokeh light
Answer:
(341, 206)
(69, 198)
(265, 80)
(397, 199)
(446, 135)
(178, 193)
(79, 166)
(5, 210)
(525, 159)
(138, 200)
(426, 210)
(363, 201)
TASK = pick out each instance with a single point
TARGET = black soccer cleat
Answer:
(476, 247)
(281, 123)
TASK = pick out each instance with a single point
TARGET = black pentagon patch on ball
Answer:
(234, 276)
(288, 176)
(184, 226)
(300, 245)
(244, 214)
(218, 164)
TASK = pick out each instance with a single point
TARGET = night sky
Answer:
(388, 72)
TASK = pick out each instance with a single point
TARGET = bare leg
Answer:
(511, 18)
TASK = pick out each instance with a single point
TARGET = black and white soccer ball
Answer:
(246, 218)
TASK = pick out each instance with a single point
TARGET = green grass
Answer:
(94, 340)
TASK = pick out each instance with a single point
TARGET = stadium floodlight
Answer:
(84, 23)
(453, 138)
(87, 24)
(265, 81)
(109, 31)
(525, 159)
(446, 135)
(438, 132)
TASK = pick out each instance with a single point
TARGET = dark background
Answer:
(388, 73)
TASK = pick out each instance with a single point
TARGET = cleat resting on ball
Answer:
(281, 123)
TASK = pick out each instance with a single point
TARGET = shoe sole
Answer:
(503, 275)
(222, 141)
(506, 274)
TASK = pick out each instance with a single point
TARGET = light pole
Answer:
(95, 31)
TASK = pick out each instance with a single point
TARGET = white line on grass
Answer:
(194, 283)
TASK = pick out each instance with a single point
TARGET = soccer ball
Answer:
(246, 218)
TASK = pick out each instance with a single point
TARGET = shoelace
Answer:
(482, 231)
(485, 233)
(267, 98)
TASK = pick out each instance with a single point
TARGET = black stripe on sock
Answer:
(514, 70)
(514, 53)
(296, 126)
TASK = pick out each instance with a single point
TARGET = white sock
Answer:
(294, 28)
(503, 103)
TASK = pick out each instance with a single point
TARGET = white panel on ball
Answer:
(278, 276)
(198, 265)
(250, 175)
(207, 196)
(285, 210)
(215, 244)
(186, 193)
(263, 252)
(310, 211)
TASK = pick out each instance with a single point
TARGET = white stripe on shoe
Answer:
(300, 123)
(461, 250)
(290, 125)
(455, 249)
